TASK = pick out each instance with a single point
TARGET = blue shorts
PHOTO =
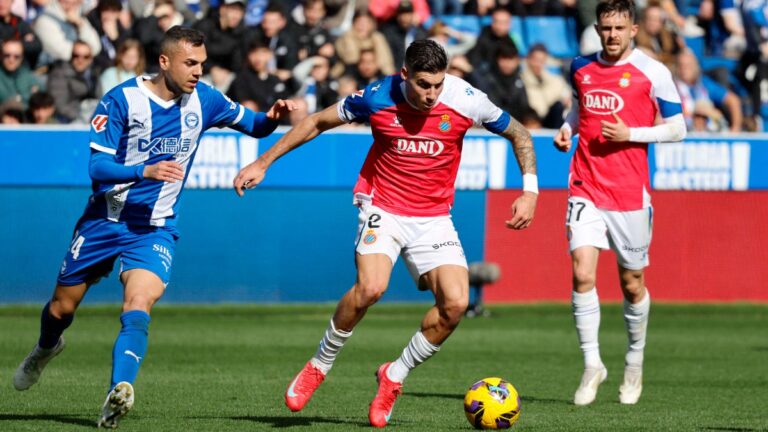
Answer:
(97, 243)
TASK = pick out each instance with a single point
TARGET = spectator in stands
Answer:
(459, 66)
(146, 8)
(548, 94)
(504, 85)
(438, 8)
(12, 113)
(655, 37)
(74, 85)
(254, 12)
(255, 87)
(454, 42)
(367, 69)
(753, 67)
(491, 38)
(129, 63)
(274, 33)
(41, 109)
(531, 120)
(339, 14)
(524, 8)
(723, 27)
(480, 7)
(386, 10)
(225, 39)
(707, 118)
(14, 27)
(315, 85)
(314, 39)
(401, 31)
(693, 87)
(347, 86)
(59, 26)
(17, 82)
(149, 31)
(363, 36)
(105, 19)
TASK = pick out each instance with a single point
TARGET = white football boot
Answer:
(119, 402)
(28, 372)
(630, 389)
(590, 381)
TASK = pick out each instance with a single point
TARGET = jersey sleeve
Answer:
(107, 124)
(218, 109)
(665, 92)
(491, 117)
(358, 106)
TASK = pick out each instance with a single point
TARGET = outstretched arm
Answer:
(525, 205)
(306, 130)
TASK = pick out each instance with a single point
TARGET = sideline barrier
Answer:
(292, 239)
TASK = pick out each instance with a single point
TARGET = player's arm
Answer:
(261, 124)
(563, 137)
(306, 130)
(525, 205)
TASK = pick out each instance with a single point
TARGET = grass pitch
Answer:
(226, 368)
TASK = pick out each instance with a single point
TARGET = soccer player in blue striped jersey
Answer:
(143, 139)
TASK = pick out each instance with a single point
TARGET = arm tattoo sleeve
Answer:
(522, 144)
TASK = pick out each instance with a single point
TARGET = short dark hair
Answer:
(40, 99)
(178, 34)
(425, 55)
(507, 50)
(621, 7)
(109, 5)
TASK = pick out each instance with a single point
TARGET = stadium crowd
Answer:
(60, 56)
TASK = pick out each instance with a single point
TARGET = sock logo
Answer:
(132, 354)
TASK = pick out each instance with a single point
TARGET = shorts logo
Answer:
(99, 123)
(437, 246)
(191, 120)
(369, 238)
(445, 123)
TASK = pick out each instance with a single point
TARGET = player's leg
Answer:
(57, 315)
(630, 239)
(437, 262)
(89, 257)
(145, 271)
(376, 253)
(586, 236)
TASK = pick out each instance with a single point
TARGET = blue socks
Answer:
(130, 346)
(51, 328)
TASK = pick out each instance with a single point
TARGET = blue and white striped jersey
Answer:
(139, 128)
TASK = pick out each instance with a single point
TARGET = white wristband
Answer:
(530, 183)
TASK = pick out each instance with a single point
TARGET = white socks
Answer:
(419, 349)
(636, 318)
(329, 348)
(586, 313)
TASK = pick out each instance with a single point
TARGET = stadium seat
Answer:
(558, 34)
(465, 23)
(708, 63)
(696, 44)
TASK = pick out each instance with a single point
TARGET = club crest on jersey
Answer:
(624, 81)
(191, 120)
(99, 123)
(418, 146)
(602, 102)
(370, 237)
(445, 123)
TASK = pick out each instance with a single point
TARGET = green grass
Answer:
(226, 368)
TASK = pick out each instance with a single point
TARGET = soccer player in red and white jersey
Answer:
(404, 192)
(619, 94)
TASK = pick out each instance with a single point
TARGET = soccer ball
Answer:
(492, 403)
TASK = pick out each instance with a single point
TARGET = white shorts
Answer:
(425, 243)
(627, 233)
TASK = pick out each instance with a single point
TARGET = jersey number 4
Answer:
(77, 243)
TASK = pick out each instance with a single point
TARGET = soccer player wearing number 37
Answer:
(143, 139)
(404, 192)
(618, 94)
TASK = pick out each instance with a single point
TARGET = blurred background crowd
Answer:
(60, 56)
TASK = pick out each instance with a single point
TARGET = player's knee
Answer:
(452, 310)
(141, 302)
(61, 308)
(632, 283)
(369, 291)
(583, 277)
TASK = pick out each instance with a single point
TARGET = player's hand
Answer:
(563, 140)
(616, 132)
(281, 109)
(166, 171)
(522, 211)
(249, 177)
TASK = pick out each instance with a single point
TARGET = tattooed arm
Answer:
(525, 205)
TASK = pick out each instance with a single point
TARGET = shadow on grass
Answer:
(60, 418)
(434, 395)
(546, 400)
(289, 421)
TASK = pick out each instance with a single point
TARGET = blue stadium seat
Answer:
(696, 44)
(465, 23)
(709, 63)
(558, 34)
